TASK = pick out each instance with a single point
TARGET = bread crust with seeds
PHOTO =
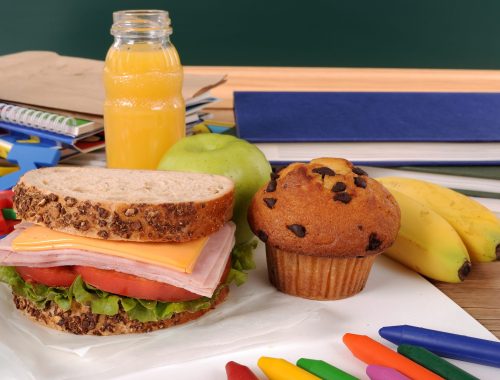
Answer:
(309, 211)
(80, 320)
(87, 214)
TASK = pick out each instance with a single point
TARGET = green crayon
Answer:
(323, 370)
(434, 363)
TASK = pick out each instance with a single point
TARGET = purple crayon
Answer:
(379, 372)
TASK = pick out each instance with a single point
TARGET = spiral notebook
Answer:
(14, 116)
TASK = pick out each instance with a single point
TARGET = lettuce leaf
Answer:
(102, 302)
(242, 261)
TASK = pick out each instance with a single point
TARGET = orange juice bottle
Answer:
(144, 112)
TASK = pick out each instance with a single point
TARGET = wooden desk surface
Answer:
(479, 293)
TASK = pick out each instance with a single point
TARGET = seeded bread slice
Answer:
(118, 204)
(80, 320)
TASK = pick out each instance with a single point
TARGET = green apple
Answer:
(226, 155)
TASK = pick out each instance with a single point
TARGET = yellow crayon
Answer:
(280, 369)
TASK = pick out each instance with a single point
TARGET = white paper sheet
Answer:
(256, 320)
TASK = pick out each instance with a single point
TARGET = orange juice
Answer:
(144, 112)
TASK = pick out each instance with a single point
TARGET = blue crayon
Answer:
(445, 344)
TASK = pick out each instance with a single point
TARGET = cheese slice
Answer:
(178, 256)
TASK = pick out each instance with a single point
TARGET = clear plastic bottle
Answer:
(144, 111)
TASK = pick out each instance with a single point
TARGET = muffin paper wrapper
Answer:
(317, 277)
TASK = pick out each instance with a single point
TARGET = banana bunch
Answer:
(440, 228)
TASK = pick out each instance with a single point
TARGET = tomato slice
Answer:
(53, 276)
(132, 286)
(137, 287)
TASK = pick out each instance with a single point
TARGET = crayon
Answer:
(434, 363)
(324, 370)
(445, 344)
(378, 372)
(236, 371)
(372, 352)
(280, 369)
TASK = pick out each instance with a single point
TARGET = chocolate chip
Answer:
(262, 235)
(360, 182)
(360, 227)
(358, 171)
(297, 229)
(373, 242)
(324, 171)
(271, 186)
(338, 187)
(342, 197)
(270, 202)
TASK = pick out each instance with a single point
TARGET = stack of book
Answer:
(58, 101)
(452, 139)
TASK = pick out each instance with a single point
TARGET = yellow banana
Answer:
(427, 243)
(478, 227)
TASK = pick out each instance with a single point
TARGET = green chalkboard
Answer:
(356, 33)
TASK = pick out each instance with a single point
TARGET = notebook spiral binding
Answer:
(36, 119)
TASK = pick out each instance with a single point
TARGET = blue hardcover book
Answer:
(373, 127)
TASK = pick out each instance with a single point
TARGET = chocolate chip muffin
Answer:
(323, 223)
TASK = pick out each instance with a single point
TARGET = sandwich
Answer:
(113, 251)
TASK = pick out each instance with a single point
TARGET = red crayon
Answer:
(236, 371)
(372, 352)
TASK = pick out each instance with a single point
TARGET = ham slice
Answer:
(203, 280)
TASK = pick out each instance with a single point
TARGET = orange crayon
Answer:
(372, 352)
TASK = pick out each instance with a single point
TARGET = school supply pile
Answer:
(59, 100)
